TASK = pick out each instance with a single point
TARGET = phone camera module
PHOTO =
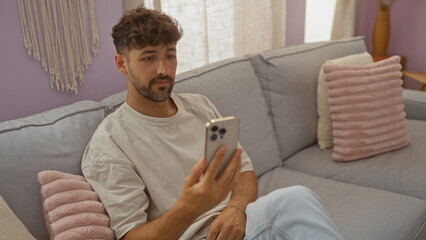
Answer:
(214, 128)
(222, 131)
(213, 137)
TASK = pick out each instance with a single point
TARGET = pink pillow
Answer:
(72, 210)
(366, 108)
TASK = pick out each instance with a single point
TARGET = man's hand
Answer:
(199, 196)
(230, 224)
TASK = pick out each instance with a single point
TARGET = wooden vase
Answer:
(381, 32)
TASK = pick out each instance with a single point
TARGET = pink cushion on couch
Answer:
(72, 210)
(367, 108)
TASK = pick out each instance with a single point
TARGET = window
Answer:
(208, 30)
(319, 20)
(221, 29)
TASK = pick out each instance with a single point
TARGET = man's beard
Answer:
(163, 93)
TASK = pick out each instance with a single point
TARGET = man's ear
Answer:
(121, 63)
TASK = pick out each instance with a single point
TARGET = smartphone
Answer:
(222, 131)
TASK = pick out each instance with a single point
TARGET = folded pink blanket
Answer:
(72, 210)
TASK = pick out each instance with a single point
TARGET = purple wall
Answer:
(408, 32)
(295, 22)
(24, 85)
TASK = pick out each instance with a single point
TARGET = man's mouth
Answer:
(162, 81)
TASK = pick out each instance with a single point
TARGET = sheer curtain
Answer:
(220, 29)
(344, 19)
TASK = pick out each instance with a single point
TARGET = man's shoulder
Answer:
(104, 147)
(112, 121)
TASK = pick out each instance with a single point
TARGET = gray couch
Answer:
(274, 95)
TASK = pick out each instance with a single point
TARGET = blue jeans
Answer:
(290, 213)
(293, 213)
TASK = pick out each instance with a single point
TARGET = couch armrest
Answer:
(415, 104)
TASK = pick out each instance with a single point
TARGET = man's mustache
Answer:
(161, 77)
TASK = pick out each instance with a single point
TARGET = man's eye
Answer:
(150, 58)
(171, 56)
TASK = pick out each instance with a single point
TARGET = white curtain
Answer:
(344, 19)
(220, 29)
(259, 25)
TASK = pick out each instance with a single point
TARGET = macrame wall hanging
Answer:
(56, 34)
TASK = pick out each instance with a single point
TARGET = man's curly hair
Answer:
(141, 27)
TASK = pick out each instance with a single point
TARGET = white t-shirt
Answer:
(138, 164)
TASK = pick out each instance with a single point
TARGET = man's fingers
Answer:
(233, 169)
(222, 236)
(212, 234)
(196, 172)
(215, 162)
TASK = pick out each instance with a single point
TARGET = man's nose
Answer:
(162, 67)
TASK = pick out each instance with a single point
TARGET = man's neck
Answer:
(149, 108)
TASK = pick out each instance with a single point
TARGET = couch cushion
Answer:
(367, 108)
(415, 104)
(52, 140)
(71, 208)
(233, 88)
(359, 212)
(289, 80)
(325, 129)
(401, 171)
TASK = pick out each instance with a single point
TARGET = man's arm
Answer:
(245, 191)
(198, 196)
(169, 226)
(231, 222)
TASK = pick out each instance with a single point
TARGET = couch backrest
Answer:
(289, 82)
(233, 88)
(52, 140)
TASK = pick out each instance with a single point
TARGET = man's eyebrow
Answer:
(149, 51)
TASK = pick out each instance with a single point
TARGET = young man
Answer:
(145, 159)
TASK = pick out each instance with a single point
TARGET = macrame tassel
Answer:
(93, 27)
(55, 33)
